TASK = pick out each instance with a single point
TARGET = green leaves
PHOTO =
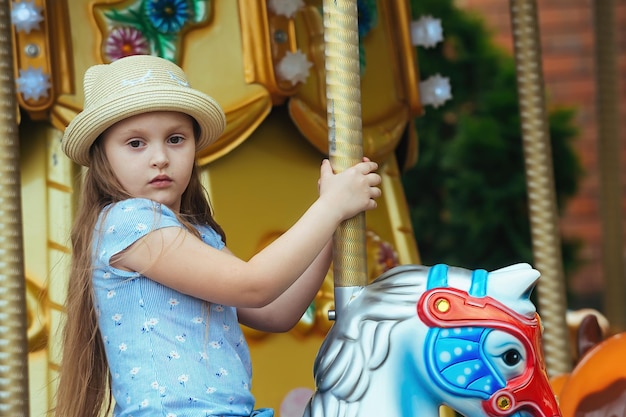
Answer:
(467, 192)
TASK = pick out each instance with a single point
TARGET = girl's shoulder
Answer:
(138, 216)
(121, 224)
(135, 204)
(137, 211)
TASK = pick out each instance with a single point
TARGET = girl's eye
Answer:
(135, 143)
(176, 139)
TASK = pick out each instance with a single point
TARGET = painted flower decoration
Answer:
(148, 27)
(435, 90)
(26, 16)
(294, 67)
(33, 83)
(387, 256)
(168, 16)
(426, 32)
(286, 8)
(125, 41)
(368, 16)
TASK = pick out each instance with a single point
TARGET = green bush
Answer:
(467, 192)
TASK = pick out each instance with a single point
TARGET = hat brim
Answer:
(88, 125)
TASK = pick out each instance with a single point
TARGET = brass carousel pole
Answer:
(343, 96)
(540, 181)
(13, 340)
(607, 110)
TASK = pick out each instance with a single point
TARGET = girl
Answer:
(155, 297)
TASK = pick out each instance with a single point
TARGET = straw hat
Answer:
(134, 85)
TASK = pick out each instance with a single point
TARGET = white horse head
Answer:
(420, 337)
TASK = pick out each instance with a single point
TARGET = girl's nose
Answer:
(159, 158)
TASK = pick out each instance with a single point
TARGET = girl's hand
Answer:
(351, 191)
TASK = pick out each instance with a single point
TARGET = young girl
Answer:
(155, 297)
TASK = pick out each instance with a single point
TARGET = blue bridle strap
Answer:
(479, 283)
(437, 277)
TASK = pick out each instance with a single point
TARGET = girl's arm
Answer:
(177, 259)
(285, 312)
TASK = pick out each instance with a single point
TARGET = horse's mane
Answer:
(358, 343)
(359, 340)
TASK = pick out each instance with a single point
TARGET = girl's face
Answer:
(152, 155)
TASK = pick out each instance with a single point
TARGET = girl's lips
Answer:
(161, 181)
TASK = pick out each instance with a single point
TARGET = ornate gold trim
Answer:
(385, 120)
(262, 48)
(37, 41)
(379, 138)
(400, 19)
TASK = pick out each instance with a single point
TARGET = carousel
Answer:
(300, 80)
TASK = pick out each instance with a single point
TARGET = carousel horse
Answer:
(596, 387)
(420, 337)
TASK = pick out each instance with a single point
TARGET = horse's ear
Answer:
(515, 284)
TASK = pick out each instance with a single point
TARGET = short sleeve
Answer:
(125, 222)
(211, 237)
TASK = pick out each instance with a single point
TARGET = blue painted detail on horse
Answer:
(478, 287)
(457, 362)
(437, 277)
(407, 386)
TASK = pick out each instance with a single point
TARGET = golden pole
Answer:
(540, 181)
(607, 111)
(13, 336)
(345, 138)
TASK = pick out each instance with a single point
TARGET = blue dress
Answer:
(169, 354)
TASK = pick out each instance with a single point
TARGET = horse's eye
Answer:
(511, 357)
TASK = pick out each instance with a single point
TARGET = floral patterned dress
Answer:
(169, 354)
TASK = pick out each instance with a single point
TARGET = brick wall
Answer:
(567, 42)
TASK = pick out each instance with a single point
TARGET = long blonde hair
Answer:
(84, 389)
